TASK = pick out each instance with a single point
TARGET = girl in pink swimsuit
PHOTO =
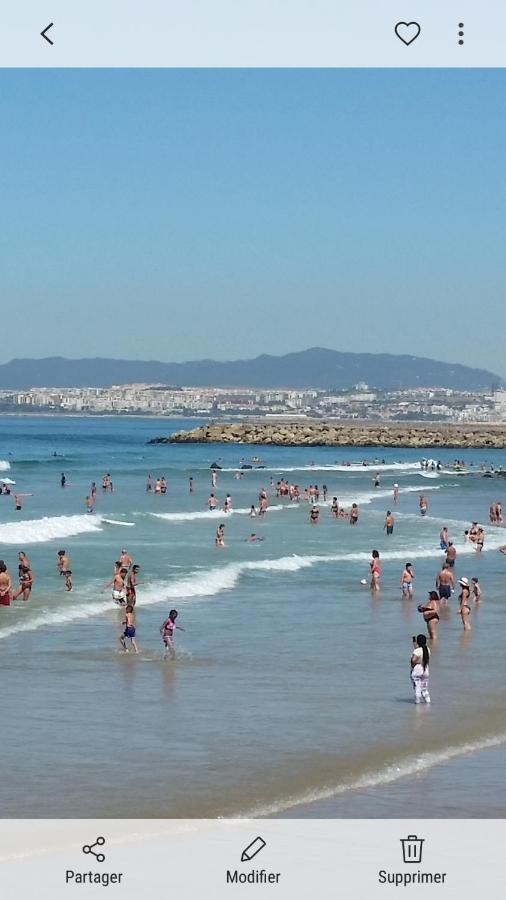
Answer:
(167, 630)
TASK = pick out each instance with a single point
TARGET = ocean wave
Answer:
(402, 768)
(38, 531)
(210, 514)
(361, 497)
(331, 467)
(4, 465)
(204, 583)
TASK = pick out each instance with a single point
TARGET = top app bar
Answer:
(254, 33)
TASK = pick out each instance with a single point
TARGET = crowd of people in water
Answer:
(124, 580)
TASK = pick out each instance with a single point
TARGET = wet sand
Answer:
(466, 787)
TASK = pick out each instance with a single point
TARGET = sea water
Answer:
(291, 683)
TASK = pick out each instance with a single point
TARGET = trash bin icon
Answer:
(412, 847)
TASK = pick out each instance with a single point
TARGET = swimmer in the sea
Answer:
(129, 632)
(253, 537)
(219, 539)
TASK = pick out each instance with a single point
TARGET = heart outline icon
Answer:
(402, 26)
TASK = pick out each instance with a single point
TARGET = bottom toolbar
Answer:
(276, 858)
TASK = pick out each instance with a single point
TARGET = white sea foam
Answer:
(4, 465)
(209, 514)
(204, 583)
(331, 467)
(412, 765)
(37, 531)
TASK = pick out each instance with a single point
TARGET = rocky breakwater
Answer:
(340, 434)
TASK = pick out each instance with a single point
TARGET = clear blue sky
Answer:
(186, 214)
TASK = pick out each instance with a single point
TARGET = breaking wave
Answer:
(37, 531)
(204, 583)
(402, 768)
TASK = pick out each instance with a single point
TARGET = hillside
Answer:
(317, 367)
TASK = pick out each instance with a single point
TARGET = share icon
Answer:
(90, 848)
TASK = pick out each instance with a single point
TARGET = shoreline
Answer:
(461, 788)
(340, 434)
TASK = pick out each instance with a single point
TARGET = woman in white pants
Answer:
(420, 669)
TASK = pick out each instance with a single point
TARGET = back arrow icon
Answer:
(44, 35)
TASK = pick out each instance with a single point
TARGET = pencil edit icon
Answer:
(252, 849)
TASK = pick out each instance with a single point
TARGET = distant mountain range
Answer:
(317, 367)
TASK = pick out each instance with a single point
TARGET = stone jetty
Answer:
(343, 434)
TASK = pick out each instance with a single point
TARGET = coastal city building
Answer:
(361, 403)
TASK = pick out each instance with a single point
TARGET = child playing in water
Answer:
(476, 589)
(129, 631)
(167, 630)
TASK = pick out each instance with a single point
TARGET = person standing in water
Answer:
(314, 515)
(5, 585)
(424, 505)
(451, 555)
(443, 538)
(389, 523)
(476, 590)
(375, 570)
(131, 585)
(396, 493)
(190, 484)
(63, 479)
(464, 604)
(431, 614)
(167, 629)
(445, 582)
(117, 583)
(26, 580)
(129, 631)
(420, 669)
(219, 540)
(407, 581)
